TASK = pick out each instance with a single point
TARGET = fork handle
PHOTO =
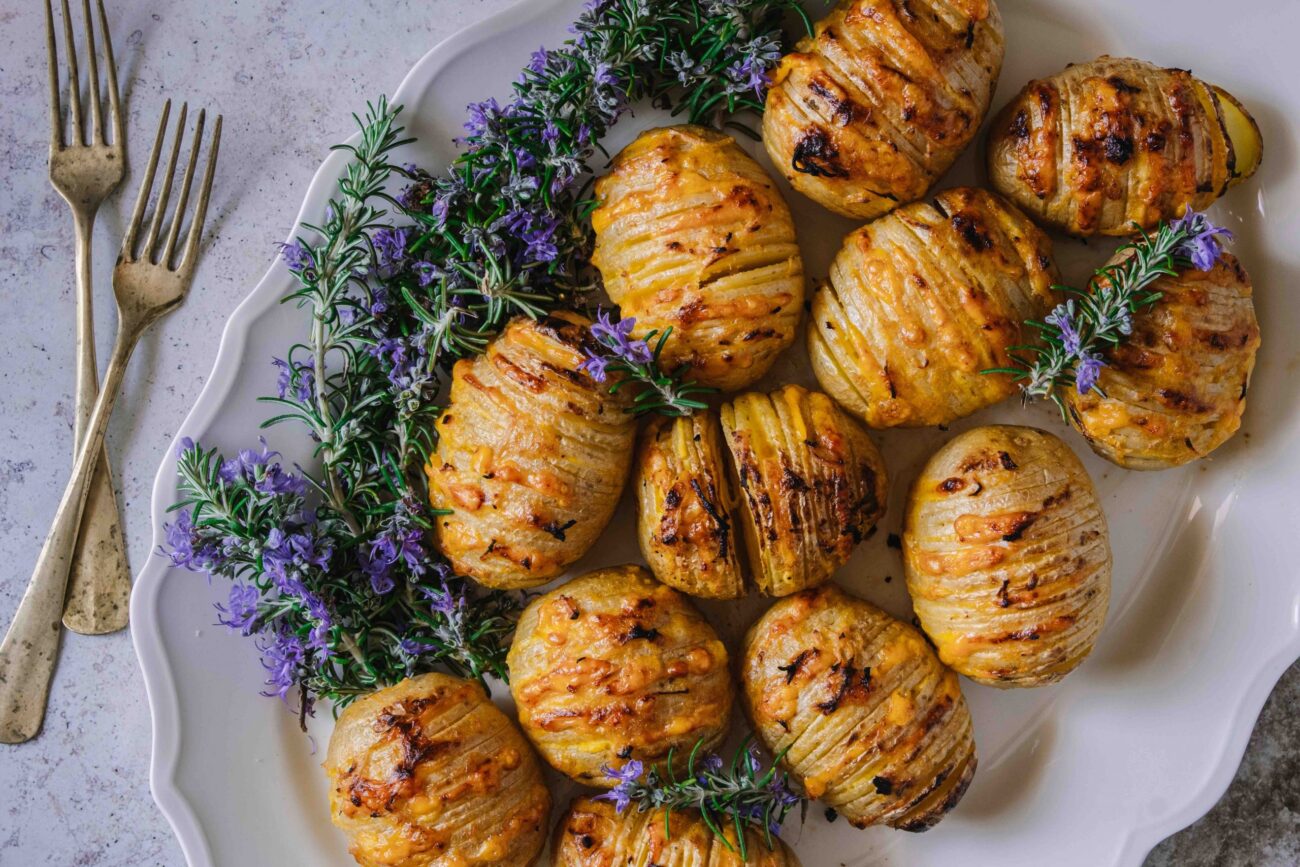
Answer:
(31, 646)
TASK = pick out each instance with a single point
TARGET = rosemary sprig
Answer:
(633, 361)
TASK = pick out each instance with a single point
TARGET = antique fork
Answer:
(85, 172)
(147, 283)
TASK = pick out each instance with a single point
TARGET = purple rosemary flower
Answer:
(187, 548)
(1202, 246)
(390, 248)
(241, 609)
(283, 657)
(628, 778)
(414, 648)
(1087, 370)
(596, 366)
(183, 445)
(298, 376)
(296, 256)
(537, 61)
(617, 337)
(1062, 319)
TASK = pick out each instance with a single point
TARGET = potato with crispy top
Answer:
(812, 485)
(865, 715)
(1115, 143)
(692, 235)
(1007, 556)
(1175, 389)
(867, 113)
(921, 302)
(614, 667)
(594, 834)
(532, 455)
(429, 773)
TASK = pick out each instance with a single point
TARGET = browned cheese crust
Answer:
(869, 112)
(532, 455)
(692, 235)
(1175, 390)
(429, 773)
(1117, 141)
(1007, 556)
(867, 717)
(922, 301)
(613, 667)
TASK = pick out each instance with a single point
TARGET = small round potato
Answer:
(1007, 556)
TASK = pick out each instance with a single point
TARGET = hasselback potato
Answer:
(1175, 389)
(532, 455)
(614, 667)
(866, 114)
(686, 507)
(1106, 144)
(593, 834)
(429, 773)
(1007, 556)
(812, 485)
(922, 301)
(873, 724)
(691, 234)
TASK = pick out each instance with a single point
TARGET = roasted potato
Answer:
(867, 114)
(1175, 389)
(868, 718)
(613, 667)
(692, 235)
(922, 301)
(812, 485)
(593, 834)
(1007, 556)
(1105, 145)
(429, 773)
(686, 507)
(532, 455)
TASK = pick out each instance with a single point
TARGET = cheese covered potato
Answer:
(594, 834)
(691, 234)
(872, 723)
(532, 455)
(1106, 144)
(1175, 390)
(1007, 556)
(686, 505)
(921, 301)
(429, 773)
(867, 113)
(613, 667)
(812, 485)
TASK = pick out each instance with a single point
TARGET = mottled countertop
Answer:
(285, 75)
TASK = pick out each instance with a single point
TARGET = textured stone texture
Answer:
(285, 75)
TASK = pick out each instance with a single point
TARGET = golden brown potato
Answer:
(429, 773)
(1007, 556)
(686, 507)
(613, 667)
(920, 302)
(692, 234)
(868, 113)
(593, 834)
(1175, 390)
(1106, 144)
(812, 482)
(532, 455)
(875, 726)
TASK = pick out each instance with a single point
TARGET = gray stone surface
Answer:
(285, 75)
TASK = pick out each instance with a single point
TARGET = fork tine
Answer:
(179, 213)
(160, 208)
(74, 78)
(52, 53)
(97, 132)
(146, 185)
(201, 209)
(114, 100)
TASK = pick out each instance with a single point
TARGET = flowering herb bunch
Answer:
(737, 794)
(1077, 333)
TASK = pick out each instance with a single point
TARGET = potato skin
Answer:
(614, 666)
(869, 112)
(812, 484)
(1175, 390)
(875, 726)
(691, 234)
(921, 301)
(1007, 556)
(532, 455)
(686, 507)
(429, 773)
(1116, 141)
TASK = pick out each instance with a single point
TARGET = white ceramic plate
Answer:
(1134, 746)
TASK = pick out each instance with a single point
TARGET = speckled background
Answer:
(285, 75)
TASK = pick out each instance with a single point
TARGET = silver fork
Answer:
(149, 281)
(85, 172)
